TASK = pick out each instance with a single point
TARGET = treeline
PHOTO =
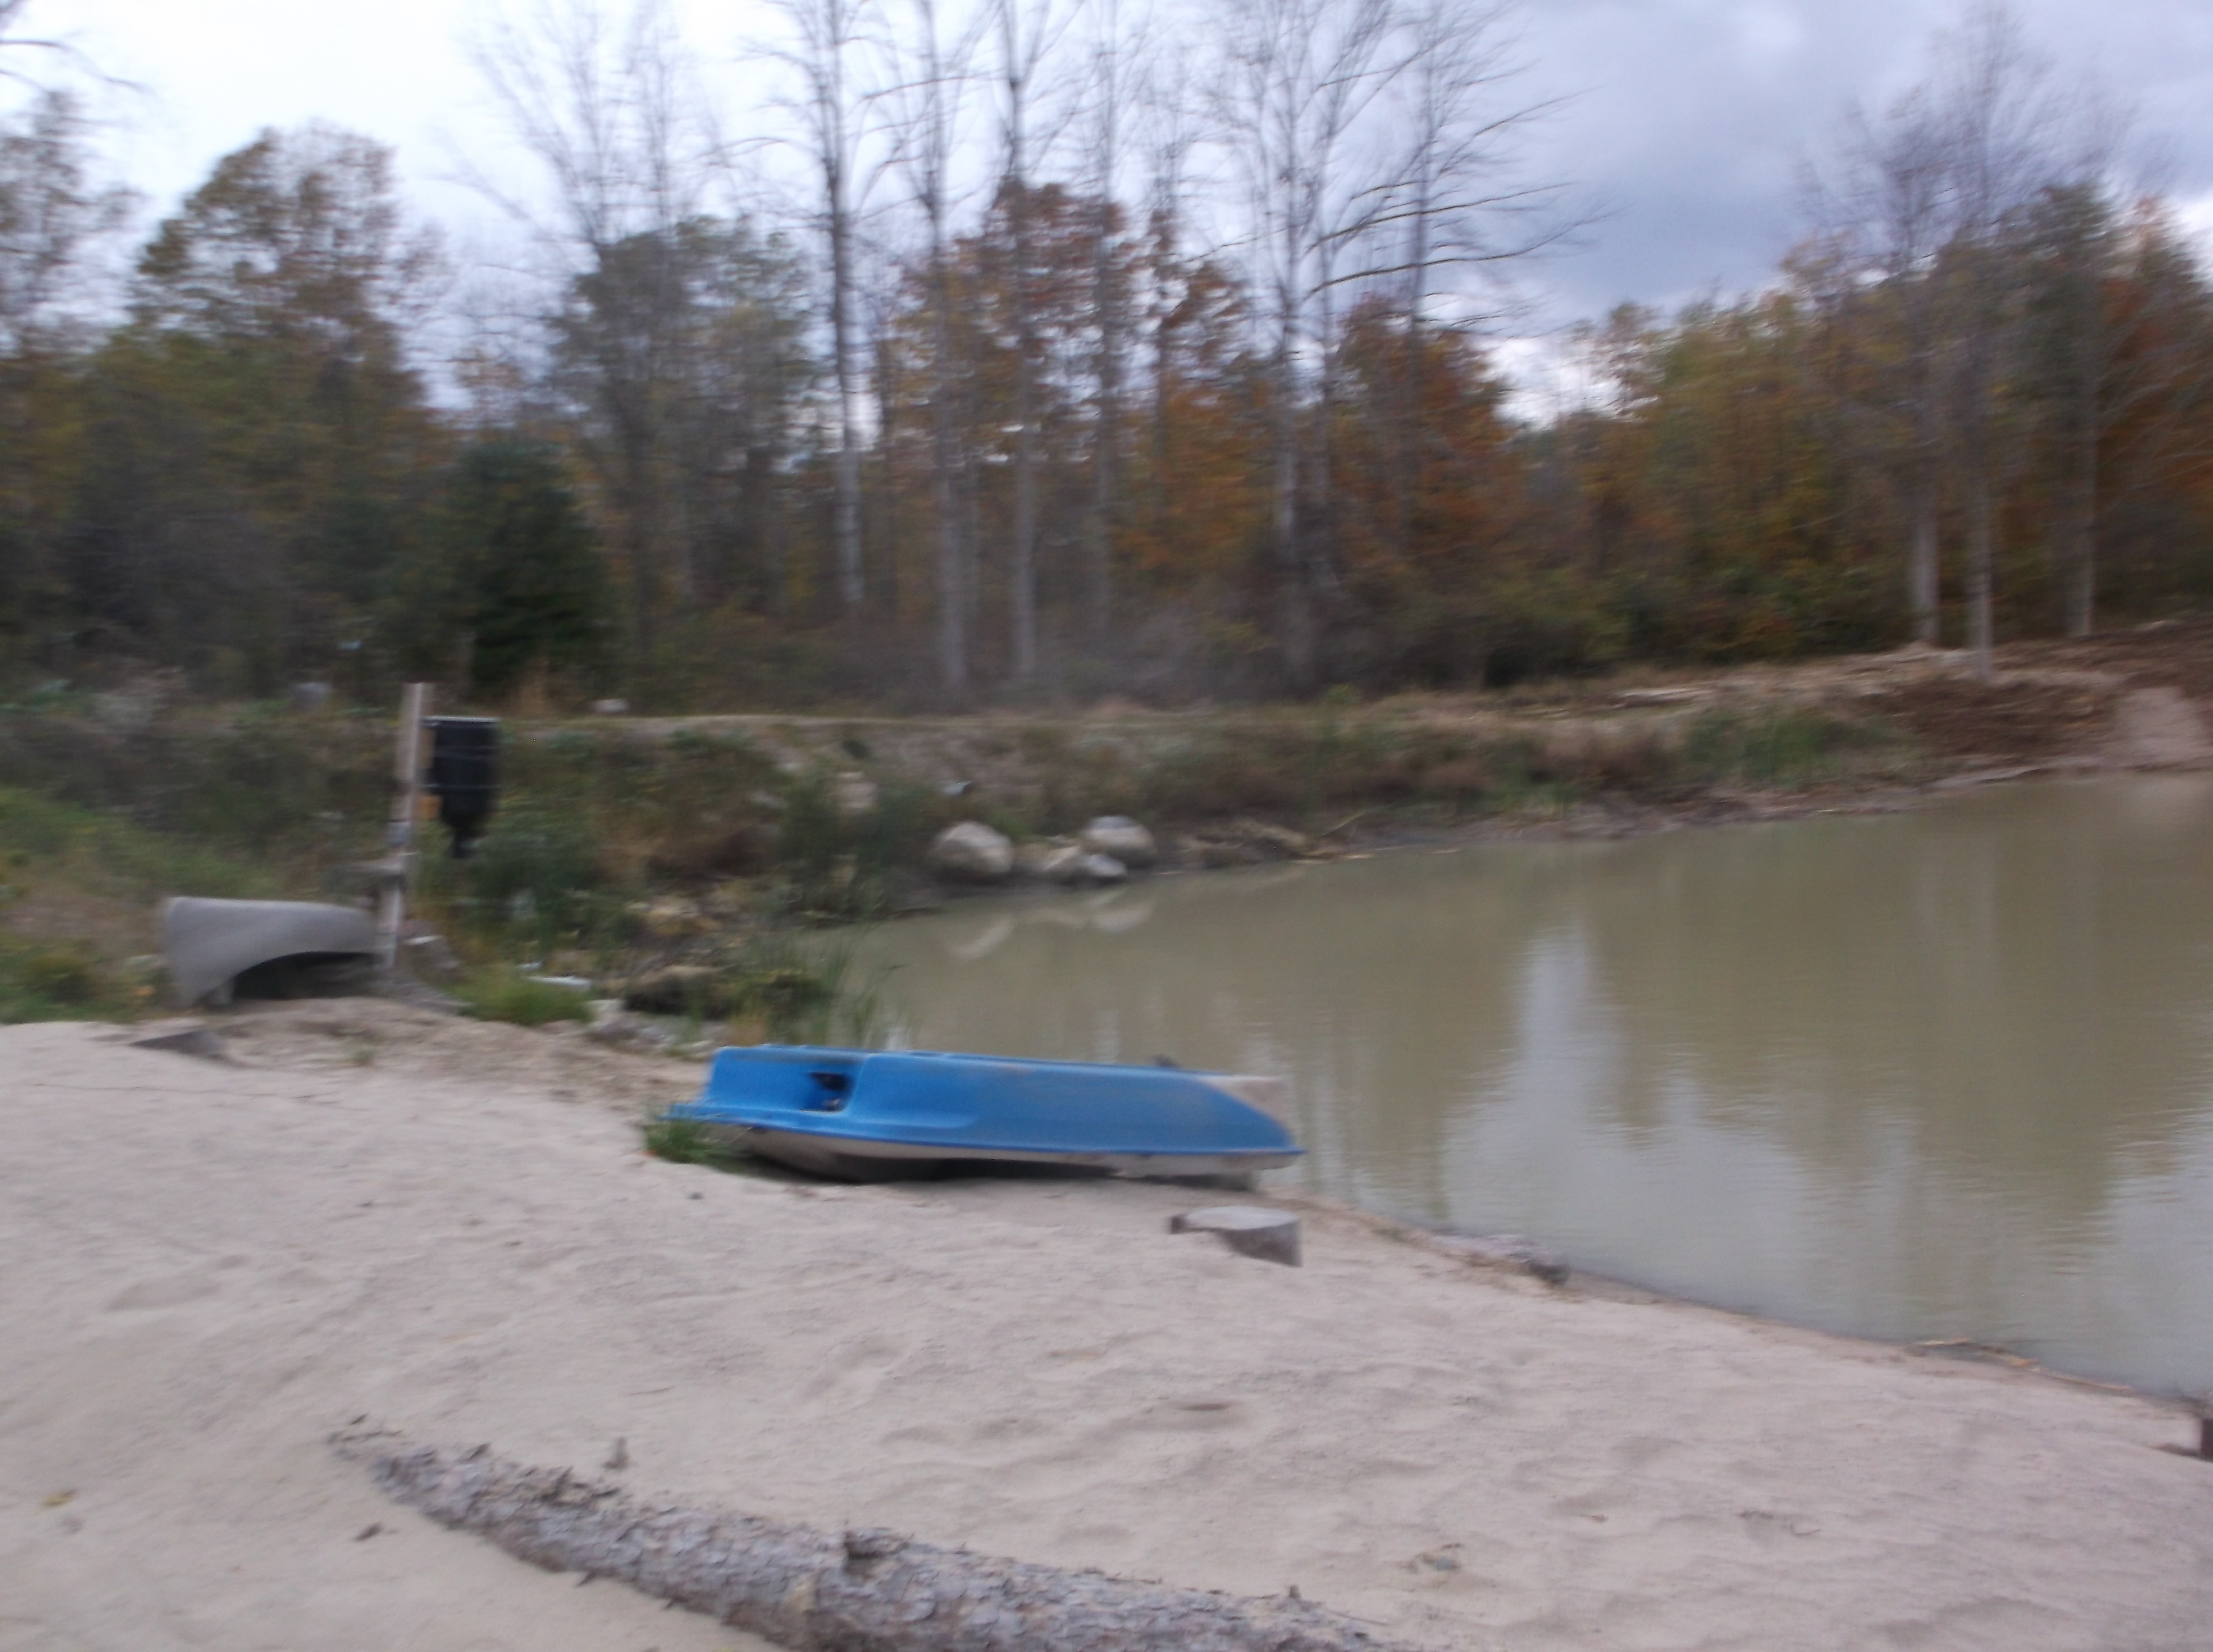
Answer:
(1041, 366)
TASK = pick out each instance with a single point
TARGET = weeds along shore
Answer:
(709, 844)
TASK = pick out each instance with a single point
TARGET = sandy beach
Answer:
(449, 1228)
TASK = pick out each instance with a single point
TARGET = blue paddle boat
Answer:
(868, 1115)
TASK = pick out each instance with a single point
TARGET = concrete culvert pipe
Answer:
(209, 944)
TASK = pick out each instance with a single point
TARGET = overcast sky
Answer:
(1685, 120)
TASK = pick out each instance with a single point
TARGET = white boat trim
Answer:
(851, 1157)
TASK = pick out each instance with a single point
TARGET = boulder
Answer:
(972, 853)
(1061, 860)
(1123, 839)
(1091, 869)
(1039, 857)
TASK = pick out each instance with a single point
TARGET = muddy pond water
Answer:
(1940, 1074)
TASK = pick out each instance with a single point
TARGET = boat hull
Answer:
(859, 1115)
(856, 1160)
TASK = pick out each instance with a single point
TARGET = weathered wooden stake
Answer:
(399, 835)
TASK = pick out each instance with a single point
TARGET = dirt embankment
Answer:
(744, 814)
(1677, 742)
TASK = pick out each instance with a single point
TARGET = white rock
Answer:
(1059, 863)
(1123, 839)
(1071, 864)
(972, 853)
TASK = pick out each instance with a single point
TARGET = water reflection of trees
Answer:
(2008, 986)
(2012, 978)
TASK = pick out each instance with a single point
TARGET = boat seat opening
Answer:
(831, 1090)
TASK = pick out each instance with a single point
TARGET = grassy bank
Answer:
(77, 888)
(625, 847)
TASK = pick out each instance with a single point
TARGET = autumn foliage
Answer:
(263, 466)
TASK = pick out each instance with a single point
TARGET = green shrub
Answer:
(112, 856)
(841, 865)
(53, 983)
(686, 1141)
(508, 995)
(534, 872)
(1793, 746)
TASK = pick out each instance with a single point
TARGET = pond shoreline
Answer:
(1924, 1069)
(1606, 1287)
(457, 1238)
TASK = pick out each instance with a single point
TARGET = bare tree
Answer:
(1885, 214)
(929, 65)
(1298, 75)
(17, 48)
(2069, 248)
(1114, 64)
(1172, 133)
(1998, 122)
(51, 214)
(827, 36)
(605, 109)
(1457, 200)
(1923, 204)
(1026, 31)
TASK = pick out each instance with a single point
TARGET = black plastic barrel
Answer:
(464, 775)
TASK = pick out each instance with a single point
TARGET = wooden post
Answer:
(399, 836)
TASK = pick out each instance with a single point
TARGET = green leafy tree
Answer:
(261, 450)
(53, 212)
(521, 568)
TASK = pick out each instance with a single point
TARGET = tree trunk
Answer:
(953, 594)
(1979, 535)
(1294, 607)
(1920, 574)
(2081, 531)
(847, 506)
(1021, 571)
(866, 1591)
(2080, 573)
(1024, 35)
(1099, 594)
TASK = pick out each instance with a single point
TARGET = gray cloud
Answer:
(1689, 119)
